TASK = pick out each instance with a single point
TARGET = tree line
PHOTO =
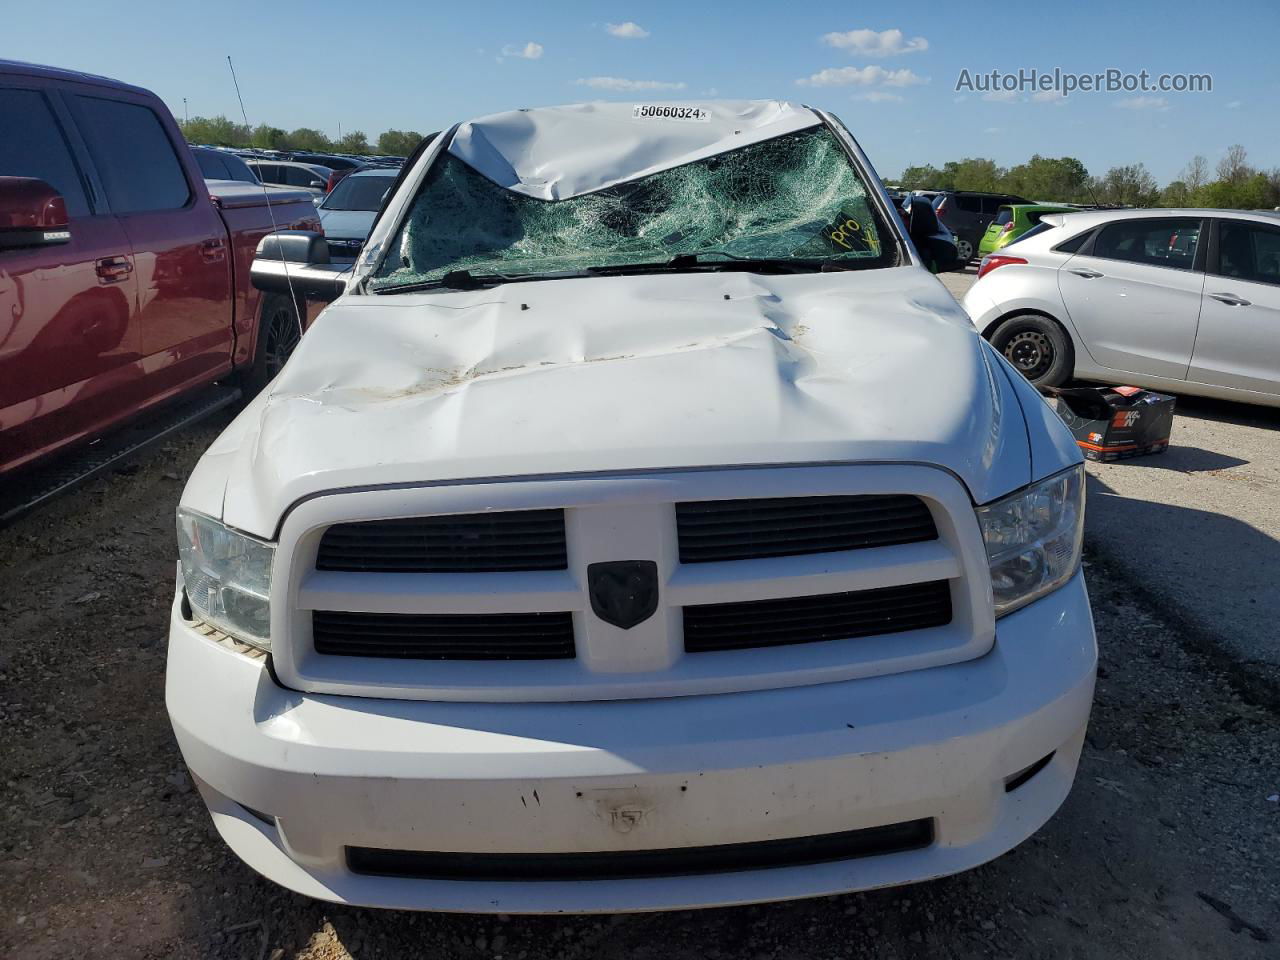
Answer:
(223, 132)
(1235, 184)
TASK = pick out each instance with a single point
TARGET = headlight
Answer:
(1034, 538)
(228, 577)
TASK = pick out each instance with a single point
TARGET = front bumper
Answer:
(332, 772)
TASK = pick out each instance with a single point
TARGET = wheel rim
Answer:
(1031, 352)
(965, 249)
(282, 336)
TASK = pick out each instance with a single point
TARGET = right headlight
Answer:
(1034, 538)
(227, 575)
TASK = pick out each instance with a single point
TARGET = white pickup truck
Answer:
(642, 527)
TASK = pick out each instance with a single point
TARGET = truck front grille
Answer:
(832, 616)
(490, 636)
(831, 573)
(788, 526)
(469, 543)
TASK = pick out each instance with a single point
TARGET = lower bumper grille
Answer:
(490, 636)
(631, 864)
(832, 616)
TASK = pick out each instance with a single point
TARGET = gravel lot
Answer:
(1168, 846)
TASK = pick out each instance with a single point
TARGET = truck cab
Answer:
(123, 284)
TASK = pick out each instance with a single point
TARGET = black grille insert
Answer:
(630, 864)
(832, 616)
(745, 529)
(487, 636)
(467, 543)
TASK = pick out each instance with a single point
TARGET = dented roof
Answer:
(552, 153)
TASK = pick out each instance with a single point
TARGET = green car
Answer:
(1012, 221)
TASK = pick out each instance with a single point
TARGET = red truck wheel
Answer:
(279, 331)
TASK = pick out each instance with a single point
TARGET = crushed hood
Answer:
(622, 373)
(553, 153)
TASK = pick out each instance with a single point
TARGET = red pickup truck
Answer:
(124, 284)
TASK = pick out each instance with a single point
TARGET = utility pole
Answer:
(339, 129)
(185, 119)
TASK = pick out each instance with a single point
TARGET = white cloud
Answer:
(991, 130)
(1049, 96)
(711, 92)
(622, 83)
(627, 31)
(1143, 103)
(530, 51)
(869, 43)
(874, 75)
(878, 96)
(1233, 105)
(960, 99)
(1001, 96)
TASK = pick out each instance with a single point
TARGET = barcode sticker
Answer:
(669, 111)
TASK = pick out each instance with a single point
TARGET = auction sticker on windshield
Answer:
(669, 111)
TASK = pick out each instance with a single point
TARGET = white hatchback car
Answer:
(1180, 300)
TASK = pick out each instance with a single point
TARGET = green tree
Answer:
(973, 173)
(926, 177)
(266, 137)
(1252, 193)
(307, 138)
(1176, 194)
(1054, 179)
(353, 142)
(399, 143)
(216, 131)
(1131, 185)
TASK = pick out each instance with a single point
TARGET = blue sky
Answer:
(422, 65)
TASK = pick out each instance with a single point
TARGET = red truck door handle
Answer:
(213, 250)
(113, 269)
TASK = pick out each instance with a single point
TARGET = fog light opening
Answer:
(258, 815)
(1022, 776)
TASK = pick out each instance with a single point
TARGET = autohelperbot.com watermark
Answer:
(1065, 82)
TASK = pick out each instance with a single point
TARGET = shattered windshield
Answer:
(796, 196)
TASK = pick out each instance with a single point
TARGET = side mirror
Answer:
(296, 262)
(936, 245)
(32, 214)
(317, 184)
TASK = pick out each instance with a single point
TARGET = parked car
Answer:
(1186, 301)
(339, 167)
(326, 160)
(1014, 220)
(968, 213)
(122, 285)
(613, 538)
(347, 213)
(304, 176)
(222, 165)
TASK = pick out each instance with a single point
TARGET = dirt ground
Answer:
(1169, 845)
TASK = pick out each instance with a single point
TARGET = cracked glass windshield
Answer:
(792, 197)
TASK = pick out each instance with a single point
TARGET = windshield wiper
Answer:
(732, 262)
(460, 280)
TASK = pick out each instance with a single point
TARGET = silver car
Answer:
(1181, 300)
(348, 212)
